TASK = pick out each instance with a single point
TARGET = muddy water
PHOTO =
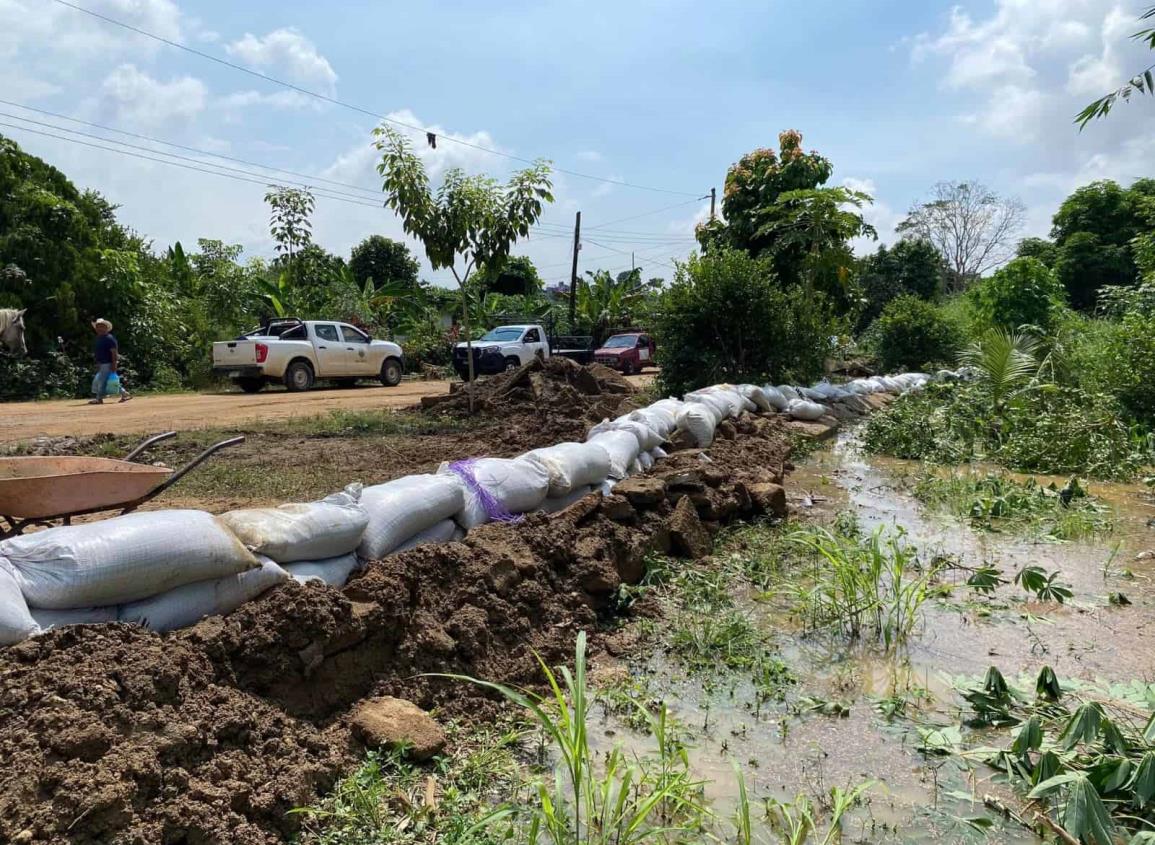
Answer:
(917, 798)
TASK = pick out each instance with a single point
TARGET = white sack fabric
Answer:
(446, 531)
(801, 409)
(660, 419)
(647, 437)
(622, 448)
(756, 395)
(774, 397)
(405, 506)
(788, 391)
(191, 603)
(700, 421)
(16, 623)
(719, 407)
(334, 571)
(500, 488)
(81, 616)
(316, 531)
(571, 465)
(123, 559)
(645, 461)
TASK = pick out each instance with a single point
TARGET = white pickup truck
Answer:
(502, 348)
(297, 353)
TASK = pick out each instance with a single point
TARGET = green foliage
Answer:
(1142, 83)
(1023, 293)
(1046, 587)
(1004, 361)
(605, 301)
(384, 261)
(517, 276)
(1040, 249)
(725, 319)
(289, 213)
(912, 333)
(913, 266)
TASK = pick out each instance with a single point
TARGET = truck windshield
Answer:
(620, 341)
(502, 335)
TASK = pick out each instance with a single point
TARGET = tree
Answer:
(604, 301)
(914, 333)
(1040, 248)
(289, 223)
(516, 277)
(1026, 292)
(1094, 232)
(912, 266)
(383, 260)
(1141, 83)
(972, 227)
(469, 219)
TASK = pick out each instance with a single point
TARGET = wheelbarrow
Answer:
(43, 490)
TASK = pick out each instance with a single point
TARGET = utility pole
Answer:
(573, 276)
(632, 265)
(713, 199)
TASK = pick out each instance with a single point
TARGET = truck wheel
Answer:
(627, 368)
(250, 385)
(391, 372)
(299, 377)
(512, 362)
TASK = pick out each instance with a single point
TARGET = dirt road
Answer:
(183, 411)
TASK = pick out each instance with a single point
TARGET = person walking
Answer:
(107, 360)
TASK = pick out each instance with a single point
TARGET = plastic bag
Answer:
(801, 409)
(622, 448)
(16, 623)
(191, 603)
(48, 619)
(406, 506)
(697, 419)
(123, 559)
(499, 488)
(446, 531)
(316, 531)
(557, 503)
(334, 571)
(571, 465)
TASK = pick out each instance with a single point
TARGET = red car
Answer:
(627, 353)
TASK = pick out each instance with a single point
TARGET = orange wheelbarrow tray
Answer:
(41, 490)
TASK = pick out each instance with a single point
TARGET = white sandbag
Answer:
(553, 504)
(660, 420)
(811, 395)
(335, 571)
(315, 531)
(756, 395)
(774, 397)
(801, 409)
(647, 437)
(446, 531)
(622, 448)
(405, 506)
(501, 488)
(16, 623)
(123, 559)
(191, 603)
(607, 486)
(738, 400)
(47, 619)
(669, 406)
(718, 406)
(697, 419)
(658, 453)
(891, 385)
(571, 465)
(646, 460)
(788, 391)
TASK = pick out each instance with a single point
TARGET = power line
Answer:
(334, 101)
(611, 249)
(648, 213)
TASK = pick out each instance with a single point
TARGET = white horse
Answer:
(12, 330)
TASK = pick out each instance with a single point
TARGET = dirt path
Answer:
(183, 411)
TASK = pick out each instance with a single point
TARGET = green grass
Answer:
(999, 502)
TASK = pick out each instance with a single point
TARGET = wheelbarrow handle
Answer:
(148, 444)
(196, 462)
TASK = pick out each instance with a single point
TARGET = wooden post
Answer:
(713, 199)
(573, 276)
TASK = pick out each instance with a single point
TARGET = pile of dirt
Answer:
(558, 397)
(112, 733)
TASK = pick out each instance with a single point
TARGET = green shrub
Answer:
(725, 318)
(914, 334)
(1024, 293)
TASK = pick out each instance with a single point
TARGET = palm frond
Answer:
(1005, 360)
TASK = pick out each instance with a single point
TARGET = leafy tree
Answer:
(726, 318)
(382, 260)
(1038, 248)
(1024, 293)
(604, 300)
(289, 223)
(911, 266)
(515, 277)
(469, 219)
(912, 333)
(1141, 83)
(1093, 231)
(972, 227)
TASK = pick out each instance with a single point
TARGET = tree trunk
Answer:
(468, 341)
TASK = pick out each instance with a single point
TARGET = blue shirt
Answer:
(105, 343)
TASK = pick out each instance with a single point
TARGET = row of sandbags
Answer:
(168, 569)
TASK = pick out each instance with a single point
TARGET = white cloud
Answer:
(40, 30)
(604, 189)
(878, 214)
(288, 52)
(1013, 113)
(1093, 74)
(138, 99)
(238, 102)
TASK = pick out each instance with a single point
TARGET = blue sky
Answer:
(662, 94)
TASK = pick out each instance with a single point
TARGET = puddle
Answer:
(916, 798)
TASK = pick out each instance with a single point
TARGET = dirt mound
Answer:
(114, 734)
(558, 397)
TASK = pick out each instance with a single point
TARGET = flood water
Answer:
(916, 797)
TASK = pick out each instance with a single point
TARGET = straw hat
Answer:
(103, 322)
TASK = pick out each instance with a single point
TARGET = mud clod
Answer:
(689, 536)
(394, 723)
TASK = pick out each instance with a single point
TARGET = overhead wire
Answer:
(350, 106)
